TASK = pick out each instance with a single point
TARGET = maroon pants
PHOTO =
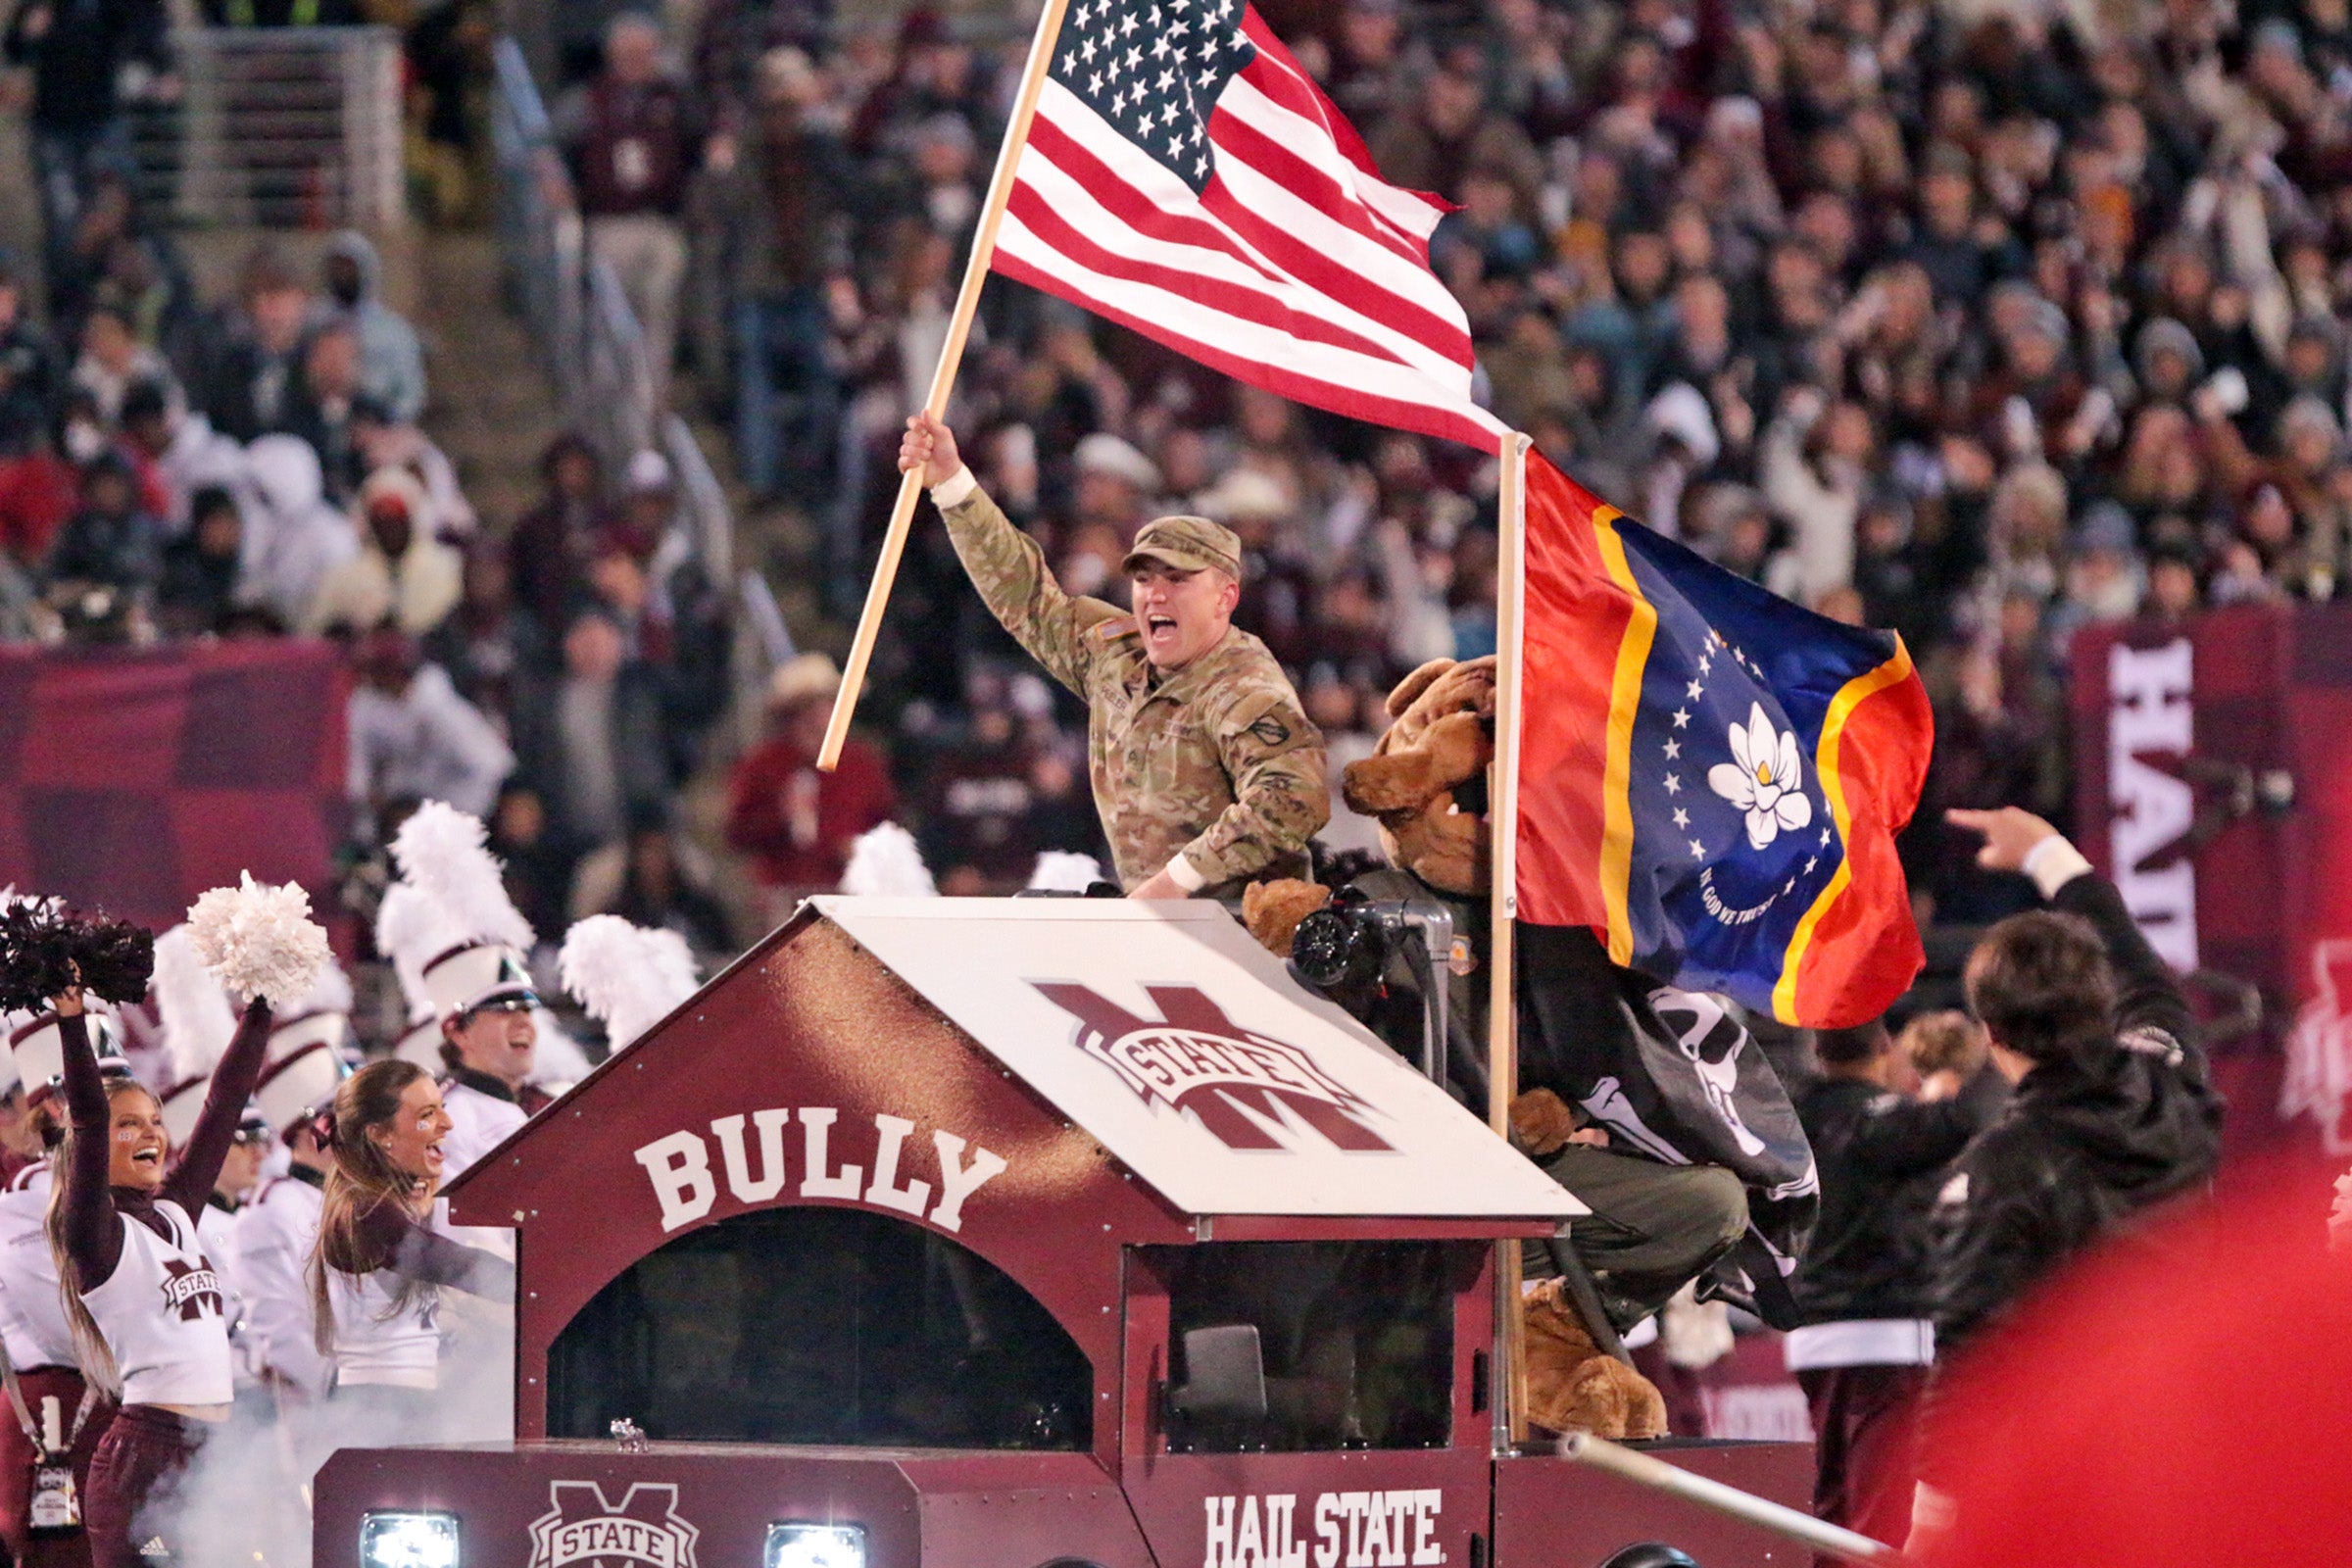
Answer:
(144, 1451)
(1865, 1447)
(40, 1385)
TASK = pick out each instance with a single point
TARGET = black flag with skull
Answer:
(1676, 1076)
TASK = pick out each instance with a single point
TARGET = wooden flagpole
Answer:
(943, 379)
(1503, 997)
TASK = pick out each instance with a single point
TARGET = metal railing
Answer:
(276, 127)
(577, 312)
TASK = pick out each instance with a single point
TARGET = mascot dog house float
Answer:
(1004, 1234)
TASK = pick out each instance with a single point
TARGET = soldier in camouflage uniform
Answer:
(1205, 768)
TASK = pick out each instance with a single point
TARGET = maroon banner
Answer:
(2209, 760)
(130, 781)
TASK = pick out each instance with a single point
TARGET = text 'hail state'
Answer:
(686, 1186)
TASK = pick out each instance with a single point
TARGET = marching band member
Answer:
(460, 949)
(379, 1271)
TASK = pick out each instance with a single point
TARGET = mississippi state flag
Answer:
(1710, 777)
(1185, 178)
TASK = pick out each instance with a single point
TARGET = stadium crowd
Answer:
(1980, 324)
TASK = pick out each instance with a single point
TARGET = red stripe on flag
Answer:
(1139, 211)
(1574, 621)
(1242, 304)
(1857, 961)
(1277, 74)
(1424, 419)
(1318, 270)
(1236, 138)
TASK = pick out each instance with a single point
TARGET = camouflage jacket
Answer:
(1216, 762)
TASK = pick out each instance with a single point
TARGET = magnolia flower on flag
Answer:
(1765, 784)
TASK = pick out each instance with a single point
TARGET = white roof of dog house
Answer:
(1167, 1033)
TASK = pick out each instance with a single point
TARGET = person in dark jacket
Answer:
(2112, 1113)
(110, 542)
(77, 50)
(1867, 1341)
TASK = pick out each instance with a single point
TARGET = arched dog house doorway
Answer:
(817, 1325)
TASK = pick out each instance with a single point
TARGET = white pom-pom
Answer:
(446, 853)
(407, 931)
(626, 978)
(885, 863)
(1063, 871)
(197, 1020)
(260, 938)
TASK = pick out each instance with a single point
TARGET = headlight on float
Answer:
(409, 1540)
(793, 1545)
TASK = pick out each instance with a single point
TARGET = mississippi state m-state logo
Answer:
(581, 1527)
(1251, 1091)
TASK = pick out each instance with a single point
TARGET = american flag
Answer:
(1186, 179)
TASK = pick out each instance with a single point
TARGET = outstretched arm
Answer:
(1005, 565)
(391, 1240)
(93, 1236)
(2149, 995)
(223, 1107)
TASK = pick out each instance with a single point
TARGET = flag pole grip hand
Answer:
(943, 379)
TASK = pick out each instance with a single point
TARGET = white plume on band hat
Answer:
(627, 977)
(455, 938)
(885, 862)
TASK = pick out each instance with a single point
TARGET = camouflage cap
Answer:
(1189, 544)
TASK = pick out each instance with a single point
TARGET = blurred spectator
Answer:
(386, 442)
(795, 823)
(550, 546)
(114, 360)
(403, 573)
(391, 360)
(537, 873)
(81, 55)
(1867, 1288)
(489, 637)
(591, 737)
(325, 410)
(787, 196)
(200, 578)
(293, 537)
(110, 542)
(28, 370)
(253, 384)
(976, 797)
(635, 137)
(412, 736)
(38, 492)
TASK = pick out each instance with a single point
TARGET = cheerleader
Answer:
(379, 1269)
(144, 1301)
(50, 1426)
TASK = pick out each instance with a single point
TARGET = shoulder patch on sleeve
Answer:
(1112, 630)
(1269, 729)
